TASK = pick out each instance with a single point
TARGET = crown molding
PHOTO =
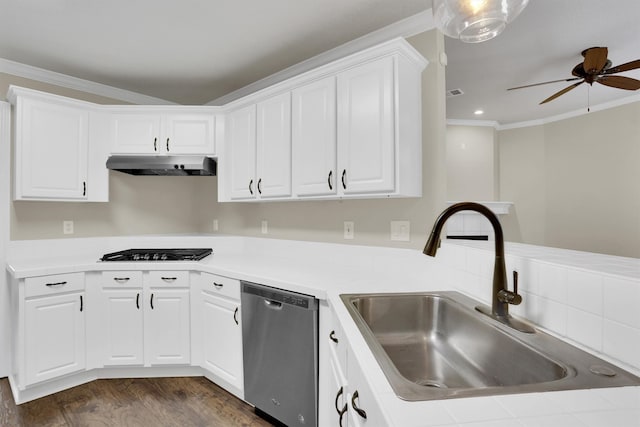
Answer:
(407, 27)
(69, 82)
(581, 112)
(479, 123)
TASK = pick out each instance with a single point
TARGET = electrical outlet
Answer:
(265, 227)
(400, 231)
(215, 225)
(67, 227)
(348, 230)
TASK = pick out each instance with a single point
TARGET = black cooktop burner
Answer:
(182, 254)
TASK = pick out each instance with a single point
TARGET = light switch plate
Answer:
(67, 227)
(348, 230)
(215, 225)
(265, 227)
(401, 231)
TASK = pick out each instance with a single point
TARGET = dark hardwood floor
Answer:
(155, 402)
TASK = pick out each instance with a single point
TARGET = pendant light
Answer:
(474, 21)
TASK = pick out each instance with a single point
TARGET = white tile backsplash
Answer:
(585, 290)
(591, 299)
(621, 299)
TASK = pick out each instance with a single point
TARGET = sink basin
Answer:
(437, 346)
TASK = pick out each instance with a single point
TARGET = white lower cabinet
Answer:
(348, 398)
(221, 331)
(145, 318)
(51, 320)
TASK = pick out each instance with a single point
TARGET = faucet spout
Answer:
(501, 296)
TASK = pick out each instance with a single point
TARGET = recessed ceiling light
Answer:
(478, 112)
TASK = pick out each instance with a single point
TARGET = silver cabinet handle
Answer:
(56, 284)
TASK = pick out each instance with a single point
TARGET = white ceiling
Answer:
(542, 44)
(194, 51)
(186, 51)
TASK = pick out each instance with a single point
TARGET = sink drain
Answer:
(429, 383)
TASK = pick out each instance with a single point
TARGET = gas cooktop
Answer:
(181, 254)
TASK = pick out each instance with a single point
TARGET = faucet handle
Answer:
(515, 282)
(511, 297)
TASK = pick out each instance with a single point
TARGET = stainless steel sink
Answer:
(437, 346)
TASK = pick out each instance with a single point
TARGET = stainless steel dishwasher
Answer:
(280, 347)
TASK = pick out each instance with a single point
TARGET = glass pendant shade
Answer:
(474, 21)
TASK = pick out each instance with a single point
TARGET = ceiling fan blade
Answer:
(562, 92)
(620, 82)
(595, 59)
(545, 83)
(624, 67)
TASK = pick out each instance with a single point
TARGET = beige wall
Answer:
(472, 165)
(575, 182)
(150, 205)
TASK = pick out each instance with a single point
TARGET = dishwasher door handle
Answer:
(274, 305)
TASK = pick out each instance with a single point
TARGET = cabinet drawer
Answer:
(173, 279)
(56, 283)
(222, 286)
(122, 279)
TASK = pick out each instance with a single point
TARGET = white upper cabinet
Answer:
(353, 130)
(274, 147)
(314, 138)
(139, 130)
(240, 153)
(366, 156)
(53, 152)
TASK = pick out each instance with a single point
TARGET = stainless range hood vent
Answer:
(163, 165)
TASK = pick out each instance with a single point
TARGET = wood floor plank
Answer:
(180, 402)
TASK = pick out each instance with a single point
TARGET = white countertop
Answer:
(326, 271)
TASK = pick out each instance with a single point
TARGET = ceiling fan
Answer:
(595, 68)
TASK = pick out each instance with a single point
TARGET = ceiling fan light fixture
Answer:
(475, 21)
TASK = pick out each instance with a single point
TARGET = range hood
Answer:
(163, 165)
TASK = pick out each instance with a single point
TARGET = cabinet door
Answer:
(274, 147)
(54, 337)
(189, 134)
(123, 327)
(366, 138)
(136, 133)
(51, 151)
(361, 398)
(241, 148)
(338, 395)
(314, 138)
(167, 330)
(222, 338)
